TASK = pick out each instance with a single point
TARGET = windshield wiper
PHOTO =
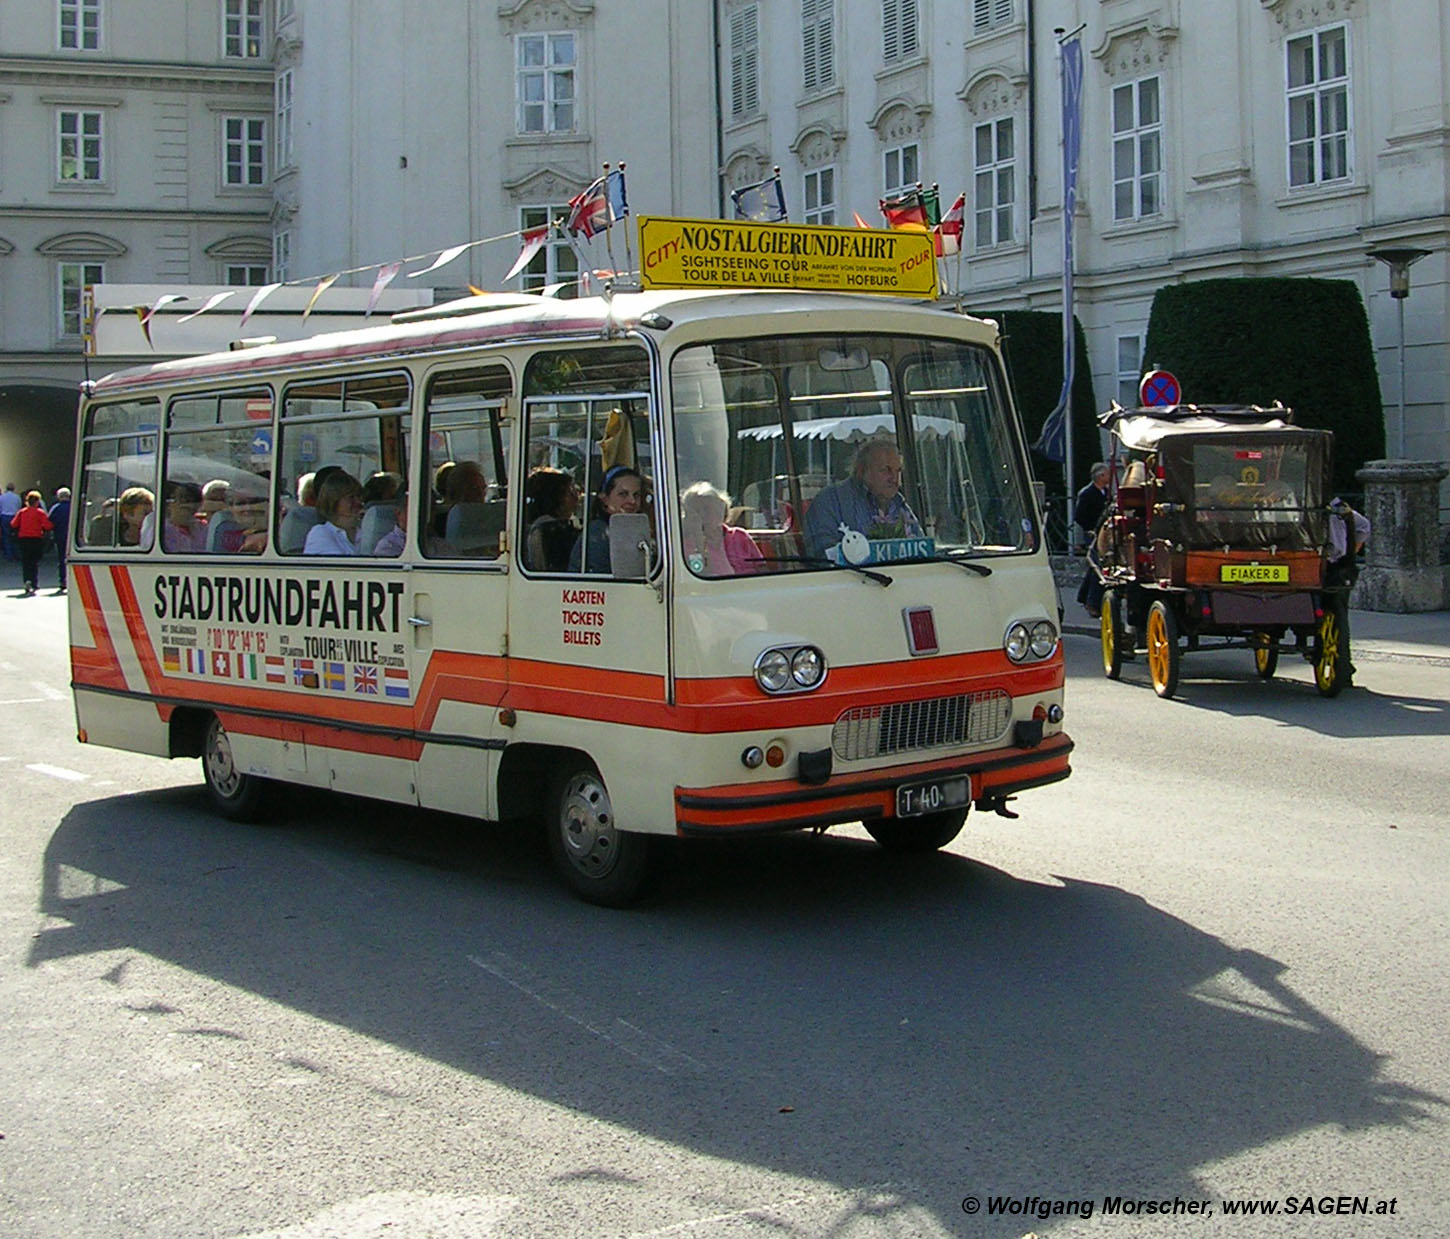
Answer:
(820, 561)
(947, 557)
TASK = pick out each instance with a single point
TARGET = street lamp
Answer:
(1399, 260)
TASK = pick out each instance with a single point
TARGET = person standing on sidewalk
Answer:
(1087, 511)
(60, 517)
(9, 505)
(31, 524)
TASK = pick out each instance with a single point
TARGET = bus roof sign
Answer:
(716, 253)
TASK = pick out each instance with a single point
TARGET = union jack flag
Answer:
(365, 680)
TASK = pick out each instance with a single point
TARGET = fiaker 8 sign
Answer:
(715, 253)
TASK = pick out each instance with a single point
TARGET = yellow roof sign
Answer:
(717, 253)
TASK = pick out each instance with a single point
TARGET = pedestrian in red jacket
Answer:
(31, 524)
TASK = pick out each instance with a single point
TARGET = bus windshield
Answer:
(802, 452)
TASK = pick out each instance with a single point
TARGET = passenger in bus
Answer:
(339, 509)
(101, 526)
(301, 516)
(713, 548)
(622, 491)
(181, 531)
(215, 496)
(380, 509)
(135, 505)
(869, 501)
(394, 542)
(241, 528)
(551, 499)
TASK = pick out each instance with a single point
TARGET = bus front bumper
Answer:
(746, 808)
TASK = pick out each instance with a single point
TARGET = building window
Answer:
(244, 151)
(819, 196)
(1130, 352)
(80, 147)
(546, 65)
(283, 99)
(555, 263)
(744, 61)
(1137, 150)
(282, 257)
(74, 277)
(994, 182)
(899, 33)
(987, 14)
(818, 43)
(246, 274)
(80, 25)
(901, 168)
(242, 29)
(1318, 99)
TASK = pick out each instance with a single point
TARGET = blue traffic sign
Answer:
(1159, 389)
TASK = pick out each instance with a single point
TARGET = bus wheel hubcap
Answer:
(219, 762)
(587, 826)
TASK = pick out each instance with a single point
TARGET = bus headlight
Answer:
(772, 671)
(790, 669)
(1017, 642)
(1030, 640)
(807, 666)
(1044, 639)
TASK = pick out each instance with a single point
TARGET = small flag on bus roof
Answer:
(763, 202)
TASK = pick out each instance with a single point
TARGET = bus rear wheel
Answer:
(241, 797)
(928, 833)
(599, 862)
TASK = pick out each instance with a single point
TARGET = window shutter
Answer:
(909, 44)
(1002, 12)
(744, 83)
(891, 29)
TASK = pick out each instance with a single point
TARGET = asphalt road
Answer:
(1211, 966)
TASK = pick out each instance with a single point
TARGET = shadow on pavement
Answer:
(932, 1023)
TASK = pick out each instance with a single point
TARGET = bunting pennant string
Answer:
(386, 274)
(211, 303)
(534, 240)
(257, 298)
(444, 258)
(326, 282)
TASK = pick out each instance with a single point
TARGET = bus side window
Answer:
(468, 442)
(118, 462)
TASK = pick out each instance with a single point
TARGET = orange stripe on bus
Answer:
(100, 665)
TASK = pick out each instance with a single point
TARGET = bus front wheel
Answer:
(928, 833)
(238, 796)
(600, 863)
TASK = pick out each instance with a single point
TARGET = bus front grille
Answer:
(908, 726)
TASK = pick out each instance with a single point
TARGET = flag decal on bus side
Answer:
(395, 682)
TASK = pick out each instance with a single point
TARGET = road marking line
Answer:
(622, 1035)
(23, 701)
(50, 693)
(58, 772)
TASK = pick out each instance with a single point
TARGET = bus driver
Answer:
(869, 501)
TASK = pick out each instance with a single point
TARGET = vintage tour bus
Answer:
(673, 562)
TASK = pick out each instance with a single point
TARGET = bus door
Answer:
(342, 653)
(588, 651)
(459, 616)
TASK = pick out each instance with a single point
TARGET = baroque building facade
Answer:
(133, 148)
(1247, 138)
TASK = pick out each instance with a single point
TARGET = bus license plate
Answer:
(1254, 574)
(914, 799)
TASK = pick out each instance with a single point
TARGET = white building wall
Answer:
(408, 142)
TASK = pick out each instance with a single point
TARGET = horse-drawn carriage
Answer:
(1218, 534)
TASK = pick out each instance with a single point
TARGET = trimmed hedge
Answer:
(1032, 343)
(1252, 341)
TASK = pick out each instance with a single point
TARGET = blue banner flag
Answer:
(764, 202)
(1052, 442)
